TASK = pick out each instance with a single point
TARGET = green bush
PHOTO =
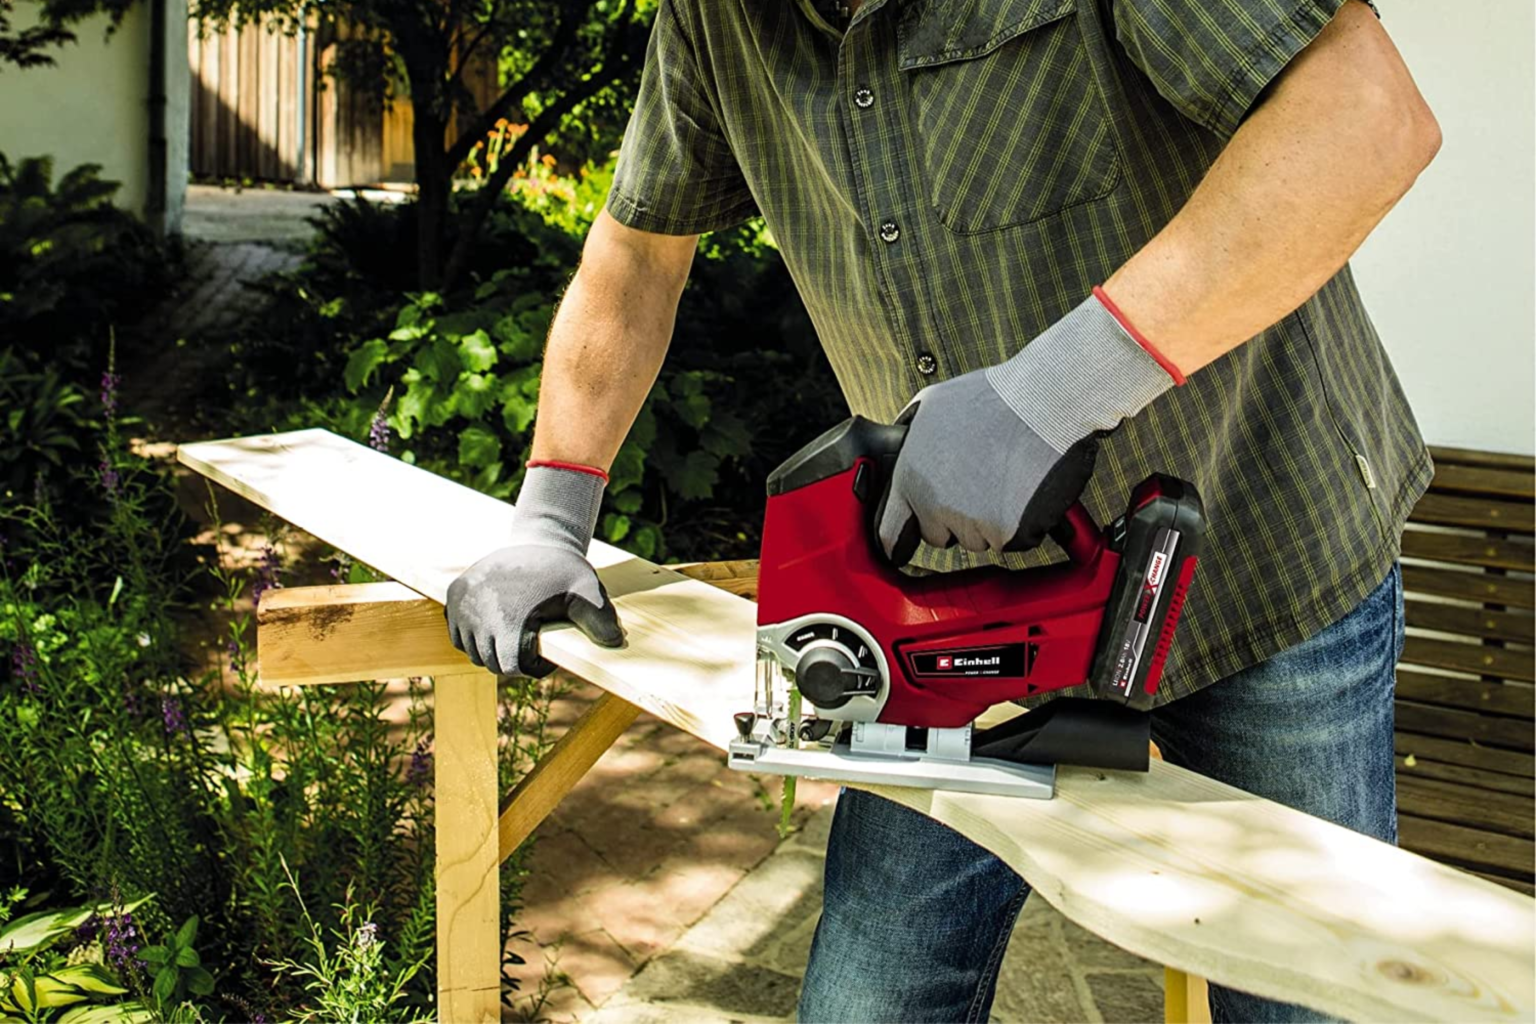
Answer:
(136, 778)
(744, 385)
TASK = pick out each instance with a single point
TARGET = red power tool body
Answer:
(864, 642)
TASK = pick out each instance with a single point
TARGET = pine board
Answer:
(1169, 865)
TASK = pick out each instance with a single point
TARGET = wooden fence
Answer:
(266, 107)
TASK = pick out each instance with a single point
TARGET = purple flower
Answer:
(109, 386)
(367, 935)
(24, 667)
(267, 572)
(109, 477)
(119, 937)
(171, 713)
(420, 771)
(236, 659)
(133, 700)
(378, 427)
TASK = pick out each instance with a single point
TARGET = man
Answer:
(1068, 227)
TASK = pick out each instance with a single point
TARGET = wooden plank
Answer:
(1467, 550)
(1462, 752)
(1458, 844)
(1186, 998)
(1169, 865)
(1523, 885)
(468, 890)
(1510, 699)
(1488, 730)
(1478, 778)
(306, 636)
(1469, 586)
(1473, 659)
(1475, 513)
(560, 769)
(1475, 622)
(1459, 804)
(734, 577)
(1475, 457)
(1504, 483)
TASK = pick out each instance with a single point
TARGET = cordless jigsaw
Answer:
(869, 674)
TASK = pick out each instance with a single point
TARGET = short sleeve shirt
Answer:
(946, 178)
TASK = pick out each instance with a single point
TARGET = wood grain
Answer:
(1169, 865)
(468, 868)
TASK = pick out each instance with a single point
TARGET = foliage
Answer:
(29, 47)
(744, 385)
(72, 265)
(131, 770)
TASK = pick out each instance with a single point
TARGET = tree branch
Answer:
(564, 36)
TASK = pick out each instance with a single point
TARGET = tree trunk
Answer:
(434, 183)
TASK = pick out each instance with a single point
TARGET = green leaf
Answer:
(615, 527)
(34, 931)
(628, 501)
(118, 1013)
(366, 358)
(90, 978)
(186, 956)
(187, 934)
(645, 542)
(693, 409)
(408, 315)
(199, 981)
(165, 985)
(478, 447)
(440, 361)
(478, 352)
(727, 436)
(154, 954)
(695, 478)
(628, 467)
(475, 394)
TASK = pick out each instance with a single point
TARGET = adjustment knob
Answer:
(824, 676)
(745, 720)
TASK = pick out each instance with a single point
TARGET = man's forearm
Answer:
(607, 342)
(1340, 138)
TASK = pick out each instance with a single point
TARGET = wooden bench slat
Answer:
(1468, 586)
(1504, 813)
(1468, 694)
(1461, 549)
(1457, 844)
(1497, 782)
(1464, 752)
(1474, 659)
(1489, 730)
(1507, 483)
(1517, 884)
(1475, 513)
(1445, 455)
(1490, 625)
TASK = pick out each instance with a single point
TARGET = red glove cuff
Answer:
(575, 467)
(1138, 337)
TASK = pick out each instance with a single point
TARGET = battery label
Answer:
(1154, 576)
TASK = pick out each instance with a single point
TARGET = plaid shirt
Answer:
(946, 178)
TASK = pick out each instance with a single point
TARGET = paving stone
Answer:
(1126, 997)
(672, 1013)
(564, 864)
(690, 978)
(596, 964)
(563, 1003)
(754, 917)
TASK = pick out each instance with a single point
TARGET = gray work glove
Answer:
(496, 607)
(993, 458)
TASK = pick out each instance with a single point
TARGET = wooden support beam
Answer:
(1186, 998)
(560, 769)
(468, 868)
(1169, 865)
(340, 634)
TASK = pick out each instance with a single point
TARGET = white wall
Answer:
(92, 105)
(1449, 277)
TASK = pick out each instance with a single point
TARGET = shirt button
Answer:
(889, 232)
(863, 98)
(927, 365)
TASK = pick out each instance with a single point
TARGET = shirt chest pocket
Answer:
(1010, 124)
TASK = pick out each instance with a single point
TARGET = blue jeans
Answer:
(916, 917)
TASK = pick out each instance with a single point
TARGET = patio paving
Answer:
(659, 891)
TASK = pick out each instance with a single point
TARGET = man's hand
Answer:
(496, 607)
(993, 458)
